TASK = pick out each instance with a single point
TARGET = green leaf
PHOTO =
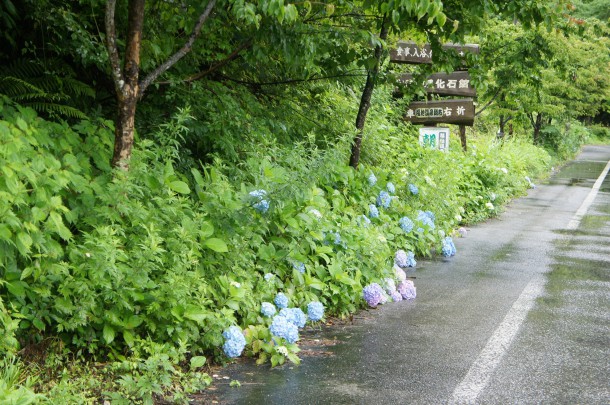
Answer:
(217, 245)
(58, 226)
(5, 232)
(24, 243)
(38, 324)
(17, 288)
(197, 362)
(196, 314)
(179, 187)
(128, 337)
(207, 229)
(108, 334)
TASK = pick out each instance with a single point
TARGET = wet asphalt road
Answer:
(520, 315)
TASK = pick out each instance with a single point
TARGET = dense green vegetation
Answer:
(127, 278)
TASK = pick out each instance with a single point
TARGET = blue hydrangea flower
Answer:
(317, 214)
(364, 220)
(260, 203)
(337, 240)
(426, 218)
(267, 309)
(391, 188)
(384, 199)
(315, 311)
(268, 276)
(413, 189)
(372, 179)
(430, 215)
(420, 230)
(448, 247)
(373, 294)
(280, 300)
(294, 316)
(406, 224)
(373, 211)
(281, 327)
(234, 341)
(298, 266)
(411, 260)
(407, 289)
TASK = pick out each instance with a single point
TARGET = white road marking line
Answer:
(481, 370)
(575, 222)
(490, 357)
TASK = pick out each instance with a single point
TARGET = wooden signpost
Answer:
(448, 111)
(445, 84)
(459, 112)
(411, 52)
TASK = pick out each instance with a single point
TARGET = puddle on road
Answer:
(579, 174)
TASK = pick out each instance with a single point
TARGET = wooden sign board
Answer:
(445, 84)
(446, 111)
(410, 52)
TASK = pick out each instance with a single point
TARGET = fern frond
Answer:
(59, 110)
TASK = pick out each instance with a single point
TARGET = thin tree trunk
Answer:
(128, 87)
(365, 100)
(537, 125)
(463, 137)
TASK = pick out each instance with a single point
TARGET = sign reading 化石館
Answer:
(445, 84)
(445, 111)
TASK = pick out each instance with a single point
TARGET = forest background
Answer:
(136, 137)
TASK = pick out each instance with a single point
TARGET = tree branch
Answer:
(113, 53)
(215, 67)
(152, 76)
(290, 81)
(490, 102)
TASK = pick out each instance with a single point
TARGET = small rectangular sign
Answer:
(411, 52)
(434, 138)
(445, 84)
(445, 111)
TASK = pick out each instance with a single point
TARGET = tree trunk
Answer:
(365, 100)
(537, 125)
(500, 134)
(128, 89)
(463, 137)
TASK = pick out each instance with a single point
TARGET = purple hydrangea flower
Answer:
(391, 188)
(281, 300)
(448, 247)
(373, 211)
(373, 294)
(234, 341)
(413, 189)
(267, 309)
(396, 296)
(462, 231)
(407, 289)
(281, 327)
(372, 179)
(406, 224)
(384, 199)
(315, 311)
(400, 258)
